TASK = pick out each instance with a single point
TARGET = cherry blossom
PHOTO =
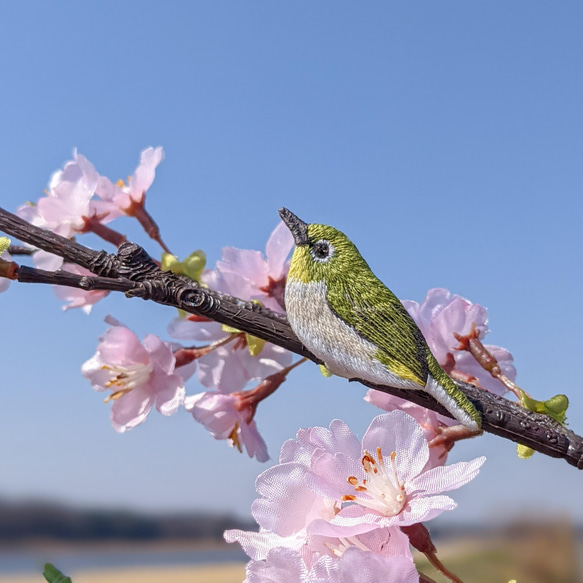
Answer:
(245, 274)
(284, 511)
(142, 178)
(284, 565)
(78, 198)
(118, 199)
(68, 196)
(224, 420)
(67, 205)
(442, 314)
(249, 275)
(231, 366)
(139, 374)
(288, 506)
(430, 422)
(78, 298)
(383, 482)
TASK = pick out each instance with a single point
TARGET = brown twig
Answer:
(20, 250)
(94, 225)
(471, 343)
(138, 210)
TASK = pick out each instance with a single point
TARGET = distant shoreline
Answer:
(113, 545)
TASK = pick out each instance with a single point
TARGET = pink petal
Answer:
(160, 353)
(258, 544)
(398, 432)
(433, 302)
(339, 438)
(47, 261)
(277, 249)
(281, 566)
(131, 409)
(293, 451)
(445, 478)
(330, 473)
(93, 370)
(286, 502)
(145, 173)
(345, 526)
(224, 369)
(185, 329)
(246, 263)
(357, 566)
(422, 509)
(106, 210)
(169, 390)
(121, 346)
(251, 439)
(215, 411)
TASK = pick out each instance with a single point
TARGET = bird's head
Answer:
(321, 253)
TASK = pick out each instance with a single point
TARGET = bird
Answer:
(355, 325)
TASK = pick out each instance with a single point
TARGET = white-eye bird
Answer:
(351, 321)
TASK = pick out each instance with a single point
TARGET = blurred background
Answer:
(444, 138)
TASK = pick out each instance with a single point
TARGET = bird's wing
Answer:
(375, 313)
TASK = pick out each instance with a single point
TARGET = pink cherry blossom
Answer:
(139, 374)
(357, 566)
(220, 415)
(247, 275)
(284, 511)
(439, 316)
(231, 366)
(117, 199)
(429, 421)
(284, 565)
(78, 298)
(66, 205)
(287, 506)
(384, 482)
(68, 197)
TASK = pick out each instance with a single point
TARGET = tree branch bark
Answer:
(133, 272)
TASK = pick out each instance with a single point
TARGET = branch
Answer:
(133, 272)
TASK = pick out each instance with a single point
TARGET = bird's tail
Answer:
(441, 386)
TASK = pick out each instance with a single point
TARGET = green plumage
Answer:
(326, 257)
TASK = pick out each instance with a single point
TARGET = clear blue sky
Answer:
(445, 138)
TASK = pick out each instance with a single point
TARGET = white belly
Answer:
(344, 352)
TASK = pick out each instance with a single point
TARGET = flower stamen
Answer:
(125, 378)
(344, 543)
(383, 491)
(234, 438)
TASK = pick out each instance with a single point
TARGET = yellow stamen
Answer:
(116, 395)
(234, 437)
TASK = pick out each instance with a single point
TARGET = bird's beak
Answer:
(298, 228)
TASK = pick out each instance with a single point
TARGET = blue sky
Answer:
(444, 138)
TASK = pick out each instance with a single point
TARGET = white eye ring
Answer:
(322, 251)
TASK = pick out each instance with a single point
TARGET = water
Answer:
(32, 561)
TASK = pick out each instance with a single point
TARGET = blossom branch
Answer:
(471, 343)
(94, 225)
(138, 210)
(136, 274)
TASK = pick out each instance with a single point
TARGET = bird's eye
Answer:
(322, 251)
